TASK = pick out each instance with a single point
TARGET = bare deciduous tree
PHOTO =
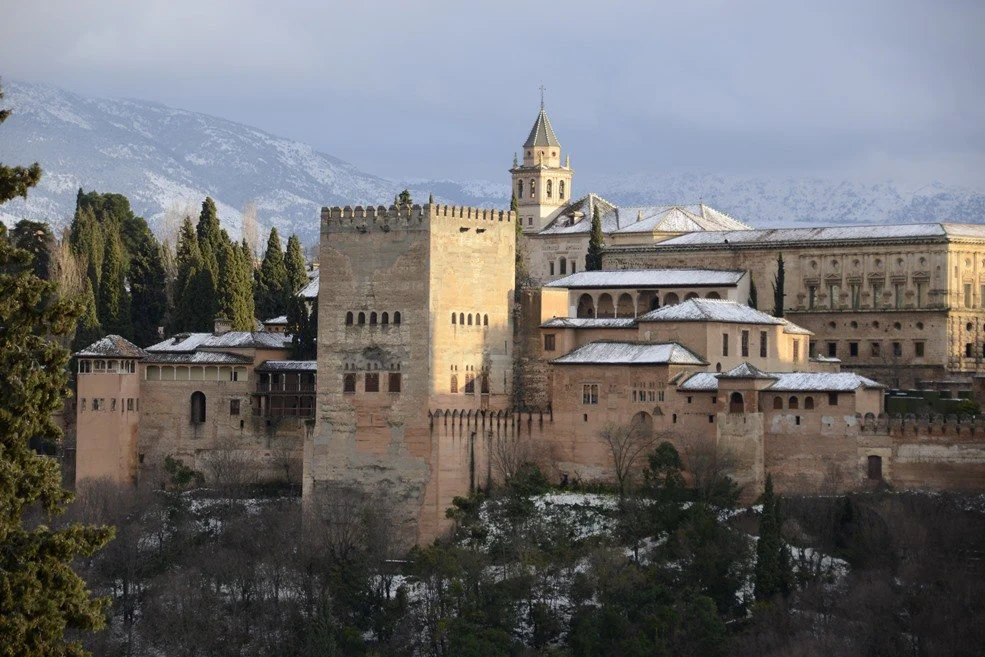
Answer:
(627, 442)
(231, 470)
(508, 454)
(251, 229)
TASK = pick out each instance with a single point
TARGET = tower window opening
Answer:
(198, 407)
(348, 319)
(385, 318)
(469, 319)
(485, 320)
(560, 190)
(372, 319)
(396, 317)
(519, 189)
(461, 318)
(362, 318)
(454, 318)
(533, 188)
(549, 189)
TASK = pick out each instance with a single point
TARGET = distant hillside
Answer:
(159, 156)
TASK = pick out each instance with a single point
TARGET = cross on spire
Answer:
(542, 90)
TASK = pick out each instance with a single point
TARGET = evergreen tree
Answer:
(778, 287)
(235, 293)
(87, 329)
(86, 240)
(209, 233)
(430, 199)
(773, 573)
(41, 597)
(113, 302)
(188, 260)
(302, 324)
(271, 279)
(297, 270)
(596, 243)
(148, 288)
(753, 293)
(36, 238)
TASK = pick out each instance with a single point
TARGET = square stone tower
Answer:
(414, 315)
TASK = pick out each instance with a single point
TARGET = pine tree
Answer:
(773, 573)
(778, 287)
(36, 238)
(271, 300)
(113, 302)
(596, 243)
(41, 597)
(297, 270)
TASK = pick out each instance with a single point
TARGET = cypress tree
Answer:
(778, 287)
(148, 289)
(271, 297)
(36, 238)
(188, 258)
(41, 597)
(87, 329)
(114, 299)
(596, 242)
(235, 294)
(753, 293)
(86, 240)
(209, 231)
(302, 324)
(297, 270)
(773, 573)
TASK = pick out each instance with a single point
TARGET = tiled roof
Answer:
(650, 278)
(113, 346)
(629, 353)
(790, 382)
(288, 366)
(542, 134)
(310, 291)
(790, 327)
(577, 218)
(709, 310)
(775, 236)
(198, 358)
(745, 371)
(230, 340)
(590, 322)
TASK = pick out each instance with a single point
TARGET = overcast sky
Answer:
(858, 90)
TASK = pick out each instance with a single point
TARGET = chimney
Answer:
(221, 325)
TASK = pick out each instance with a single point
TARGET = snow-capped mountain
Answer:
(160, 157)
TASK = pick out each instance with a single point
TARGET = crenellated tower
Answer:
(541, 183)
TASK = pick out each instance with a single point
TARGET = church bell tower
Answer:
(541, 183)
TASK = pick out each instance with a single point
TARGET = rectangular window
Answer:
(574, 266)
(811, 296)
(129, 403)
(394, 384)
(898, 295)
(348, 383)
(745, 344)
(564, 266)
(833, 292)
(856, 291)
(372, 382)
(549, 342)
(811, 349)
(112, 404)
(967, 295)
(590, 393)
(918, 349)
(234, 407)
(97, 404)
(832, 349)
(876, 349)
(969, 350)
(660, 396)
(796, 351)
(877, 295)
(853, 349)
(832, 399)
(725, 344)
(469, 383)
(897, 349)
(763, 344)
(550, 267)
(920, 289)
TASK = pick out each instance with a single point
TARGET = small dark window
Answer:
(454, 318)
(875, 467)
(969, 350)
(348, 319)
(130, 403)
(394, 384)
(832, 349)
(853, 349)
(198, 407)
(832, 399)
(349, 383)
(808, 403)
(550, 266)
(918, 349)
(897, 349)
(372, 382)
(372, 319)
(362, 318)
(469, 318)
(549, 342)
(385, 318)
(797, 420)
(454, 383)
(485, 320)
(234, 407)
(793, 403)
(470, 384)
(563, 264)
(461, 318)
(745, 344)
(876, 349)
(674, 418)
(763, 344)
(396, 317)
(778, 403)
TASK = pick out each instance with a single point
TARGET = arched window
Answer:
(362, 318)
(461, 318)
(484, 383)
(385, 318)
(713, 295)
(548, 190)
(793, 403)
(198, 407)
(469, 319)
(778, 403)
(671, 299)
(690, 295)
(519, 189)
(606, 308)
(485, 320)
(396, 317)
(808, 403)
(454, 383)
(348, 319)
(642, 422)
(586, 306)
(533, 188)
(626, 306)
(735, 404)
(372, 319)
(454, 318)
(560, 190)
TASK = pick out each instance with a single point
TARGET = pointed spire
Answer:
(542, 134)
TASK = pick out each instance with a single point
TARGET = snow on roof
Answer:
(184, 342)
(630, 353)
(745, 371)
(790, 382)
(112, 346)
(282, 319)
(590, 322)
(653, 278)
(310, 291)
(826, 234)
(790, 327)
(198, 358)
(288, 365)
(577, 218)
(709, 310)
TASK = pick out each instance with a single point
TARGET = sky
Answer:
(874, 90)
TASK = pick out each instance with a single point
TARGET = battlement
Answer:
(923, 425)
(386, 218)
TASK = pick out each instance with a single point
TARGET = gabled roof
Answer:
(745, 371)
(589, 322)
(112, 346)
(310, 291)
(790, 382)
(542, 134)
(630, 353)
(187, 342)
(278, 321)
(650, 278)
(639, 219)
(710, 310)
(833, 234)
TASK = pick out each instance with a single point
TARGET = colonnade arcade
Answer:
(628, 303)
